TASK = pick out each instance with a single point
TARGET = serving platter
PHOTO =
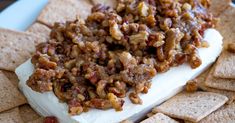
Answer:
(21, 14)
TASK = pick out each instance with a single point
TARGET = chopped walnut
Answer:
(143, 9)
(115, 31)
(191, 86)
(231, 47)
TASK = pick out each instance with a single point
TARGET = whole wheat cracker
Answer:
(217, 7)
(27, 113)
(64, 10)
(201, 84)
(159, 118)
(111, 3)
(12, 77)
(191, 106)
(15, 48)
(9, 94)
(41, 30)
(219, 83)
(225, 66)
(39, 120)
(11, 116)
(226, 25)
(229, 94)
(225, 114)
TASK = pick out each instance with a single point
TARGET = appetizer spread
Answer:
(96, 62)
(110, 61)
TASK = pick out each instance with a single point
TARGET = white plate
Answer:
(21, 14)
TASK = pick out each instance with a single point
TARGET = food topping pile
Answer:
(96, 62)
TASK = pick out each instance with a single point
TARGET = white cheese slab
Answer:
(163, 87)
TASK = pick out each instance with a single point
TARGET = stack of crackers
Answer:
(214, 104)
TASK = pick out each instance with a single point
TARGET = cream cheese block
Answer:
(163, 87)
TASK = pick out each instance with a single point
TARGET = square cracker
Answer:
(39, 120)
(27, 113)
(201, 84)
(64, 10)
(159, 118)
(217, 7)
(111, 3)
(41, 30)
(10, 96)
(219, 83)
(225, 114)
(226, 25)
(225, 66)
(11, 116)
(12, 77)
(15, 48)
(229, 94)
(192, 106)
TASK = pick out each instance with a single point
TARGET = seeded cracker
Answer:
(15, 48)
(9, 94)
(225, 67)
(225, 114)
(40, 30)
(64, 10)
(192, 106)
(159, 118)
(11, 116)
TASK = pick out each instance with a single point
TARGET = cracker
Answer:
(219, 83)
(111, 3)
(225, 67)
(159, 118)
(12, 77)
(226, 25)
(192, 106)
(225, 114)
(229, 94)
(201, 84)
(217, 7)
(39, 120)
(15, 48)
(40, 30)
(9, 94)
(64, 10)
(11, 116)
(27, 113)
